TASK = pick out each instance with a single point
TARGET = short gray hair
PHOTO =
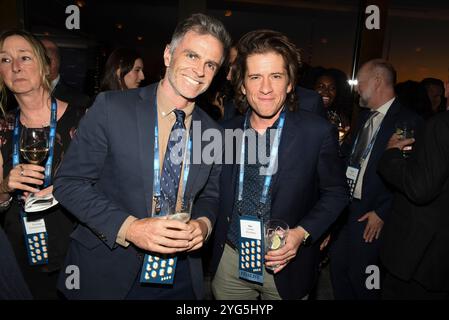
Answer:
(202, 24)
(386, 68)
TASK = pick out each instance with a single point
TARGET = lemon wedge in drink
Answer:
(275, 242)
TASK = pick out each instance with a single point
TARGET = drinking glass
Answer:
(406, 131)
(275, 234)
(34, 144)
(182, 212)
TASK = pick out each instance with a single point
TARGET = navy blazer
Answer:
(311, 101)
(107, 175)
(376, 194)
(308, 189)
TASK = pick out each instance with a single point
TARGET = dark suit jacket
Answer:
(376, 195)
(12, 283)
(308, 189)
(107, 175)
(311, 101)
(416, 238)
(70, 95)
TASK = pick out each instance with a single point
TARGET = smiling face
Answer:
(327, 89)
(192, 66)
(266, 84)
(135, 76)
(19, 66)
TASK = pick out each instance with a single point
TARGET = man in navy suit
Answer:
(356, 246)
(108, 179)
(307, 190)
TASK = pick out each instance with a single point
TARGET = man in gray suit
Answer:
(109, 177)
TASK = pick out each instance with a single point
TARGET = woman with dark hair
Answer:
(39, 239)
(123, 70)
(331, 86)
(435, 90)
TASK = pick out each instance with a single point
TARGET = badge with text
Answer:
(352, 175)
(36, 241)
(250, 248)
(158, 270)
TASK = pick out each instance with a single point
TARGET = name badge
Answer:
(159, 270)
(36, 241)
(352, 175)
(251, 254)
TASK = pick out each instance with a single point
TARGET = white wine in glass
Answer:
(34, 144)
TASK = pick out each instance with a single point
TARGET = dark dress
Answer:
(41, 279)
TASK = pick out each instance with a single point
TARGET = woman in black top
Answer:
(24, 70)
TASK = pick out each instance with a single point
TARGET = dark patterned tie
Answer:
(365, 137)
(171, 170)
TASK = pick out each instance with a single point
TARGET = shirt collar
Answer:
(383, 109)
(274, 126)
(166, 107)
(54, 83)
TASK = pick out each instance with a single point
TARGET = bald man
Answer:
(356, 245)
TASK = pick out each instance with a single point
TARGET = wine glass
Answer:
(340, 123)
(34, 144)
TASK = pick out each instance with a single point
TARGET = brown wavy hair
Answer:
(260, 42)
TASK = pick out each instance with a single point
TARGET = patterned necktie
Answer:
(365, 137)
(171, 170)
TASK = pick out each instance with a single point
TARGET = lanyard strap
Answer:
(368, 148)
(51, 141)
(273, 159)
(157, 164)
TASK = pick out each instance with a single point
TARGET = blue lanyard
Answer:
(368, 148)
(273, 158)
(51, 141)
(157, 165)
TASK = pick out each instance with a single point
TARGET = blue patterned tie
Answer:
(171, 170)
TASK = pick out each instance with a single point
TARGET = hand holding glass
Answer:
(34, 146)
(405, 130)
(275, 234)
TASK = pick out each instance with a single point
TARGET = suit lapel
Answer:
(386, 130)
(288, 139)
(235, 167)
(194, 168)
(229, 173)
(146, 115)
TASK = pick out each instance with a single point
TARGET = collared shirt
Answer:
(377, 121)
(166, 119)
(253, 183)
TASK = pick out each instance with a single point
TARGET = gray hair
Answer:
(202, 24)
(385, 68)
